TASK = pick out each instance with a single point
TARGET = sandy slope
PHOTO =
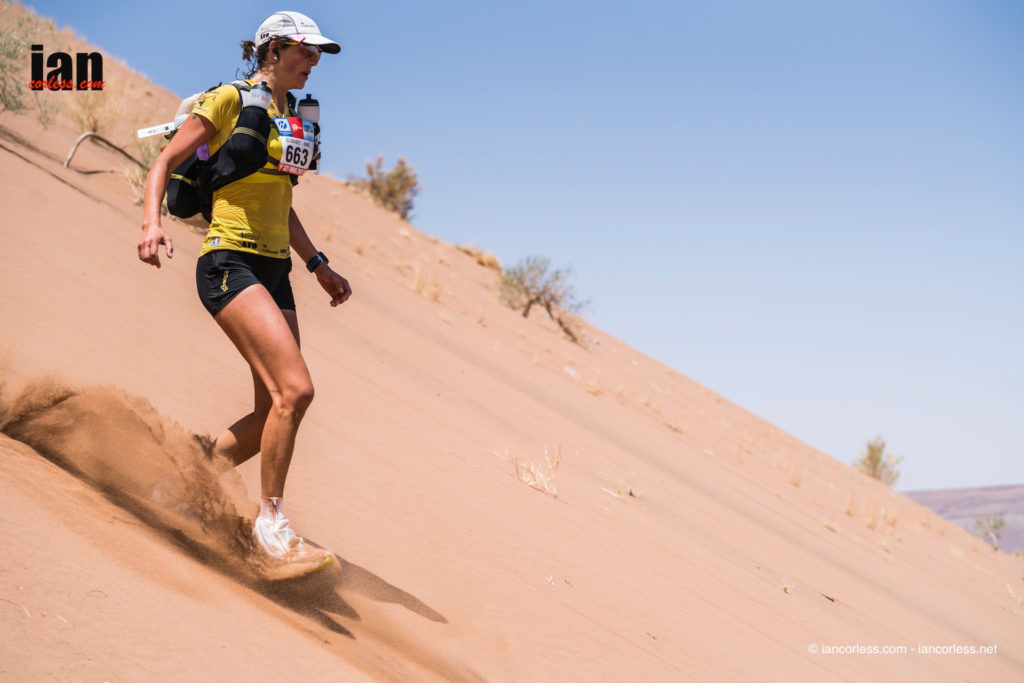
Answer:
(688, 539)
(966, 506)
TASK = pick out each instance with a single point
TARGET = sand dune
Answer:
(967, 506)
(680, 538)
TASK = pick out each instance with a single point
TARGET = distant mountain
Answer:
(964, 506)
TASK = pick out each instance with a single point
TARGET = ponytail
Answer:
(255, 57)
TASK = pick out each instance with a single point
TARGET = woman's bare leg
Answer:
(262, 334)
(241, 441)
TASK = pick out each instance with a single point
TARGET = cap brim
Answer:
(322, 42)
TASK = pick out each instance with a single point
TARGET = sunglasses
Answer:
(312, 51)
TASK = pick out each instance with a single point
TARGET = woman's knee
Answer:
(294, 396)
(304, 394)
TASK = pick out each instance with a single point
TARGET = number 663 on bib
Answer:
(297, 138)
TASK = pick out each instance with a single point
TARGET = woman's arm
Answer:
(195, 131)
(333, 284)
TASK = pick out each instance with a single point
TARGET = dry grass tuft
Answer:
(539, 476)
(145, 151)
(483, 258)
(796, 477)
(96, 110)
(623, 489)
(417, 283)
(425, 284)
(136, 178)
(873, 522)
(47, 108)
(402, 264)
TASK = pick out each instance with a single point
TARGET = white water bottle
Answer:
(308, 109)
(259, 96)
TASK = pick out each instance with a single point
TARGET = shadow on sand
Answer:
(148, 465)
(319, 595)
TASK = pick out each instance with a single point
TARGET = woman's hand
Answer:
(195, 131)
(333, 284)
(153, 236)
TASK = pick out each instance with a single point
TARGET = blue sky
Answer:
(813, 208)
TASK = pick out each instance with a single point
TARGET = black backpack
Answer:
(191, 185)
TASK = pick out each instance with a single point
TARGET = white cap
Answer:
(297, 27)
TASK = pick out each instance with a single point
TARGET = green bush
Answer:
(394, 189)
(875, 462)
(531, 283)
(16, 37)
(990, 529)
(14, 52)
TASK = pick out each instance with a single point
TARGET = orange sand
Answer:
(685, 538)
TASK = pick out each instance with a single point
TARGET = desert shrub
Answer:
(394, 189)
(531, 282)
(16, 37)
(146, 151)
(96, 110)
(14, 50)
(989, 528)
(875, 462)
(47, 108)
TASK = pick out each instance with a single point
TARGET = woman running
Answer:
(242, 273)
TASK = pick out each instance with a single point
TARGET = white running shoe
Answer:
(274, 535)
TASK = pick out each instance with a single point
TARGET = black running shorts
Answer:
(223, 273)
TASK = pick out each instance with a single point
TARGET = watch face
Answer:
(316, 261)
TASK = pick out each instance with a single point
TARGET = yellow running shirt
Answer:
(250, 214)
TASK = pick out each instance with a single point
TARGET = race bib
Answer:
(296, 144)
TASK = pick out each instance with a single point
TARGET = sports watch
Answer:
(316, 261)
